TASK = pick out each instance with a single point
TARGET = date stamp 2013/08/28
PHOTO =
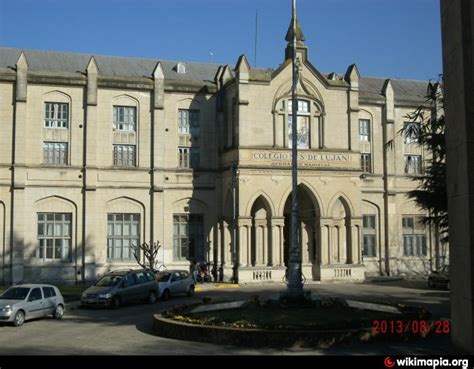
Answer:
(421, 327)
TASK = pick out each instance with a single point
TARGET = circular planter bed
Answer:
(270, 324)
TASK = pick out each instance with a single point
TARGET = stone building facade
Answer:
(98, 153)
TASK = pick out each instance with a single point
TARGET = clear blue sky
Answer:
(388, 38)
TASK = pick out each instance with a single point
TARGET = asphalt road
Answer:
(127, 331)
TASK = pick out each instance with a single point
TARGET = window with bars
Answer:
(413, 164)
(124, 155)
(54, 236)
(364, 130)
(414, 236)
(188, 157)
(412, 132)
(123, 232)
(125, 118)
(369, 236)
(56, 115)
(188, 122)
(188, 236)
(365, 163)
(55, 153)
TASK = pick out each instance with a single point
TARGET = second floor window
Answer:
(365, 163)
(188, 157)
(56, 115)
(413, 164)
(364, 130)
(188, 122)
(412, 132)
(55, 153)
(124, 155)
(125, 118)
(302, 125)
(369, 236)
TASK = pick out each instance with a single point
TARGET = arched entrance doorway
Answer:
(309, 227)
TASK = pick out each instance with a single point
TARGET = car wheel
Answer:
(430, 283)
(115, 303)
(166, 295)
(448, 286)
(152, 298)
(58, 312)
(19, 318)
(190, 291)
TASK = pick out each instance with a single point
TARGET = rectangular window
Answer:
(364, 130)
(56, 115)
(369, 236)
(188, 122)
(414, 236)
(125, 118)
(302, 132)
(54, 236)
(55, 153)
(188, 157)
(412, 132)
(123, 232)
(365, 163)
(124, 155)
(188, 237)
(413, 164)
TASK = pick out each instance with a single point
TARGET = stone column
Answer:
(304, 242)
(265, 244)
(356, 251)
(342, 243)
(227, 260)
(325, 244)
(245, 225)
(277, 241)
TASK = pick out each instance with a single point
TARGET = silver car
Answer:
(28, 301)
(175, 282)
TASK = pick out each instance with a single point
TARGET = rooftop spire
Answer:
(299, 33)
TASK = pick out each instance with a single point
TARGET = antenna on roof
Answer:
(256, 33)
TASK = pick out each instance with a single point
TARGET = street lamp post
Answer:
(235, 257)
(295, 285)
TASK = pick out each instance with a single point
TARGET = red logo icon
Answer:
(388, 362)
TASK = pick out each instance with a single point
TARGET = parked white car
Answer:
(175, 282)
(28, 301)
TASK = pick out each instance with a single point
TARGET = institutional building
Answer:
(99, 153)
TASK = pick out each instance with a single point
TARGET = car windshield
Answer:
(109, 281)
(15, 293)
(162, 277)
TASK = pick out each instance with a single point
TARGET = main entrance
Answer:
(309, 228)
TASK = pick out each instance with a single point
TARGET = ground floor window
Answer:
(188, 236)
(123, 231)
(414, 236)
(369, 236)
(54, 236)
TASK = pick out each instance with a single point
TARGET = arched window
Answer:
(309, 123)
(302, 126)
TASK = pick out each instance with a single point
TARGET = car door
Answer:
(142, 290)
(35, 304)
(129, 288)
(49, 299)
(175, 283)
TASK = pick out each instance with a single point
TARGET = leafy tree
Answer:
(146, 254)
(427, 127)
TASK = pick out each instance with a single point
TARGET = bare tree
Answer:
(146, 254)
